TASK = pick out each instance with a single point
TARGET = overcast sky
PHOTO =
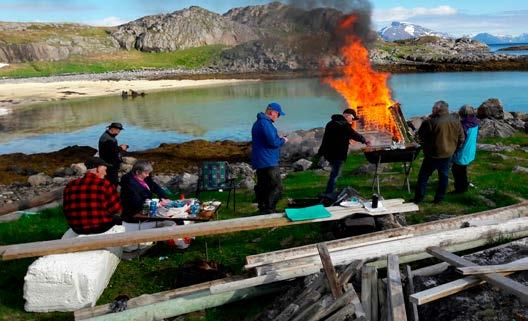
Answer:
(462, 17)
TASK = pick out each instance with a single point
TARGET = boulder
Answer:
(491, 108)
(520, 169)
(248, 183)
(39, 179)
(520, 115)
(508, 116)
(495, 128)
(79, 169)
(517, 124)
(71, 281)
(241, 170)
(162, 180)
(184, 183)
(60, 180)
(129, 160)
(125, 168)
(495, 148)
(301, 165)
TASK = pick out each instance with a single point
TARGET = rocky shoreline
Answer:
(176, 165)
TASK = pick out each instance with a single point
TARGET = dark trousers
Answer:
(334, 175)
(116, 220)
(268, 189)
(112, 174)
(430, 165)
(461, 178)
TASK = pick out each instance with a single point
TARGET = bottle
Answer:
(375, 199)
(153, 207)
(146, 207)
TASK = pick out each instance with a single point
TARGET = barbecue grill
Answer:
(404, 151)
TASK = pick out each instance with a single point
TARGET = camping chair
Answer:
(215, 176)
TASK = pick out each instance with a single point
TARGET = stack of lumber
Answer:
(409, 243)
(331, 296)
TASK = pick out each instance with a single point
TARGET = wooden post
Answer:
(366, 290)
(329, 270)
(507, 285)
(395, 290)
(374, 289)
(410, 286)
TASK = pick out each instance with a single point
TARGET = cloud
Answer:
(44, 6)
(401, 13)
(107, 22)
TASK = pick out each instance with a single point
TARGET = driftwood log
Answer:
(34, 202)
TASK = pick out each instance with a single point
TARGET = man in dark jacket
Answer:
(265, 154)
(110, 151)
(440, 134)
(334, 147)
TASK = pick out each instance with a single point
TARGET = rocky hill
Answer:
(51, 41)
(192, 27)
(492, 39)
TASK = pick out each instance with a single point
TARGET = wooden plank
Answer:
(196, 301)
(507, 285)
(500, 214)
(332, 247)
(358, 307)
(395, 290)
(374, 290)
(382, 298)
(95, 242)
(349, 272)
(487, 269)
(366, 290)
(329, 270)
(410, 285)
(515, 228)
(148, 299)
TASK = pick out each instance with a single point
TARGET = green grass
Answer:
(118, 61)
(493, 179)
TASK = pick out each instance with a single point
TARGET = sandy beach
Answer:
(17, 94)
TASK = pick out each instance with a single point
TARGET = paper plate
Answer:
(349, 204)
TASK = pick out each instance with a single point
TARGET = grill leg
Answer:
(376, 179)
(407, 170)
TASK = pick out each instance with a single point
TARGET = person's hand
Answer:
(164, 201)
(124, 147)
(285, 139)
(368, 143)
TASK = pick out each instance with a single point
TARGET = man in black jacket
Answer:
(334, 147)
(110, 151)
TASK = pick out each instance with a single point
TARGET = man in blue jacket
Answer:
(265, 156)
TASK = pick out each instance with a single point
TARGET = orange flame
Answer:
(364, 89)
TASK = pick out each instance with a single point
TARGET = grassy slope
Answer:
(492, 177)
(119, 61)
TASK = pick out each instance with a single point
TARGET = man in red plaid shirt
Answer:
(91, 203)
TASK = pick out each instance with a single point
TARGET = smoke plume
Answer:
(362, 9)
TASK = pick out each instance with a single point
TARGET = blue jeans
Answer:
(430, 165)
(334, 174)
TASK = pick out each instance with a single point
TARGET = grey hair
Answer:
(141, 166)
(466, 110)
(441, 106)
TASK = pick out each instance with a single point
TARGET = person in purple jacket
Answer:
(466, 153)
(265, 154)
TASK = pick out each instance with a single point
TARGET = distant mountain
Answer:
(403, 30)
(492, 39)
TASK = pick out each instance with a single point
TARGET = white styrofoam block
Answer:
(71, 281)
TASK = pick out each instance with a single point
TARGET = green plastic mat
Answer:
(307, 213)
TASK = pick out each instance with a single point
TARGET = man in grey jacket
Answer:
(110, 151)
(440, 135)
